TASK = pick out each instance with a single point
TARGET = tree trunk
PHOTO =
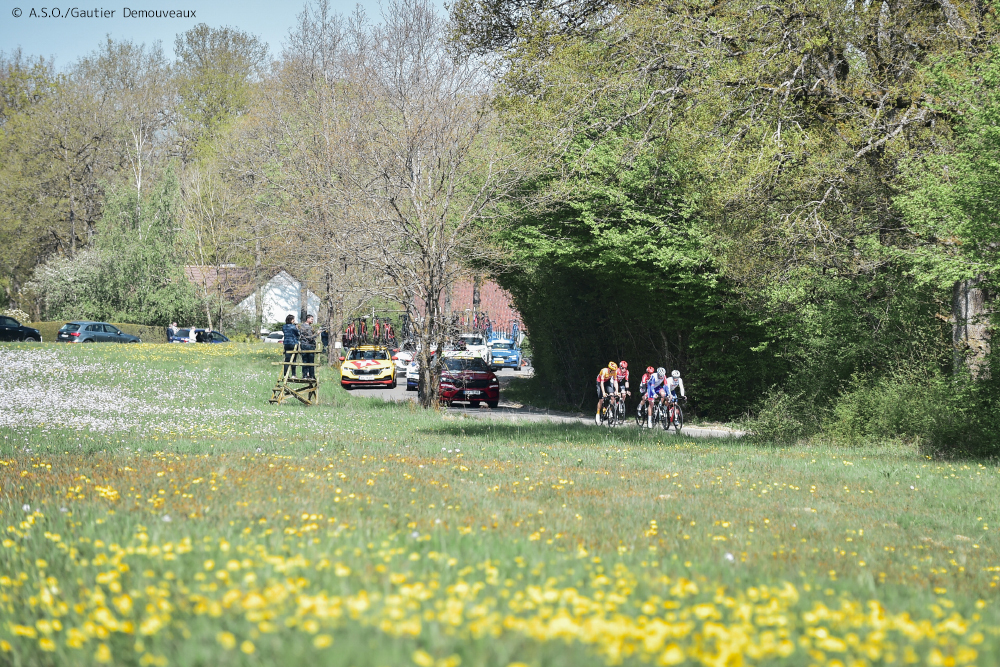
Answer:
(971, 326)
(333, 322)
(258, 310)
(477, 284)
(303, 301)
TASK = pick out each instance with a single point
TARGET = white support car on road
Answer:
(476, 344)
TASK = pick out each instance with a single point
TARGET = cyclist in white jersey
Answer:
(673, 383)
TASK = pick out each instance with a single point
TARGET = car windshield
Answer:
(70, 326)
(472, 340)
(277, 334)
(474, 364)
(503, 346)
(369, 355)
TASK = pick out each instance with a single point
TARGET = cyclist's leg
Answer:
(600, 401)
(650, 397)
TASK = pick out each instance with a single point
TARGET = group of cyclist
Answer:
(656, 385)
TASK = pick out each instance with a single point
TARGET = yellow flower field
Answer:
(357, 533)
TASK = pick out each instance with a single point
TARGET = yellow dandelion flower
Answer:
(102, 654)
(422, 658)
(247, 647)
(322, 641)
(226, 640)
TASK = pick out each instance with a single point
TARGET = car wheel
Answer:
(31, 339)
(517, 369)
(88, 340)
(493, 404)
(409, 388)
(393, 385)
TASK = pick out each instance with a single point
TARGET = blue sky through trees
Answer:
(67, 38)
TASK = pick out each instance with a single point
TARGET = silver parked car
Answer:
(93, 332)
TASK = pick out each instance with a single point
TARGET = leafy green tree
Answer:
(141, 277)
(216, 69)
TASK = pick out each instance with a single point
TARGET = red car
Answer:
(466, 377)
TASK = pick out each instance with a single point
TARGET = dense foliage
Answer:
(780, 201)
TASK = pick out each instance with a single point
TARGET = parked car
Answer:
(208, 336)
(506, 354)
(274, 337)
(180, 336)
(93, 332)
(12, 330)
(367, 365)
(466, 376)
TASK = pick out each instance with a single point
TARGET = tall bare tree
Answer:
(429, 167)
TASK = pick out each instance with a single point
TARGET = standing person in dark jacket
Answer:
(307, 341)
(291, 339)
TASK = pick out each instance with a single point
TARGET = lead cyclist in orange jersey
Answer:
(607, 386)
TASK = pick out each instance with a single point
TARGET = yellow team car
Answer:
(367, 365)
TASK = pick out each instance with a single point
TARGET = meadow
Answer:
(156, 510)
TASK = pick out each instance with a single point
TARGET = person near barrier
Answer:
(291, 333)
(307, 341)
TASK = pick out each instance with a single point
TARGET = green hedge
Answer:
(148, 334)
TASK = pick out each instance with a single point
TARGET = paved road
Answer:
(509, 411)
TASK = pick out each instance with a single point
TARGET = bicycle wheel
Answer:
(666, 418)
(640, 415)
(620, 411)
(678, 418)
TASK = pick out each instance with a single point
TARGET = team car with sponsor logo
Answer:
(466, 376)
(367, 365)
(475, 343)
(506, 354)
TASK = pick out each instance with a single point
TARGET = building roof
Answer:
(235, 283)
(495, 301)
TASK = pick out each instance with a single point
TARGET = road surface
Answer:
(509, 411)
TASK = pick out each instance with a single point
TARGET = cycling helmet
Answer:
(612, 365)
(650, 370)
(676, 374)
(661, 371)
(623, 365)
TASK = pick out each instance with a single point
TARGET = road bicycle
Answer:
(620, 409)
(611, 414)
(642, 412)
(674, 416)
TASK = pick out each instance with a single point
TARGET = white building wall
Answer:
(282, 297)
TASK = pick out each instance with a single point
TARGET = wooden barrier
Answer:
(304, 389)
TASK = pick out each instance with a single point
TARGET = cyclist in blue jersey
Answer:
(655, 388)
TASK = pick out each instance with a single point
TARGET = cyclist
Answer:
(607, 386)
(655, 388)
(674, 382)
(621, 377)
(650, 371)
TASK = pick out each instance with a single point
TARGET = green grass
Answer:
(174, 517)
